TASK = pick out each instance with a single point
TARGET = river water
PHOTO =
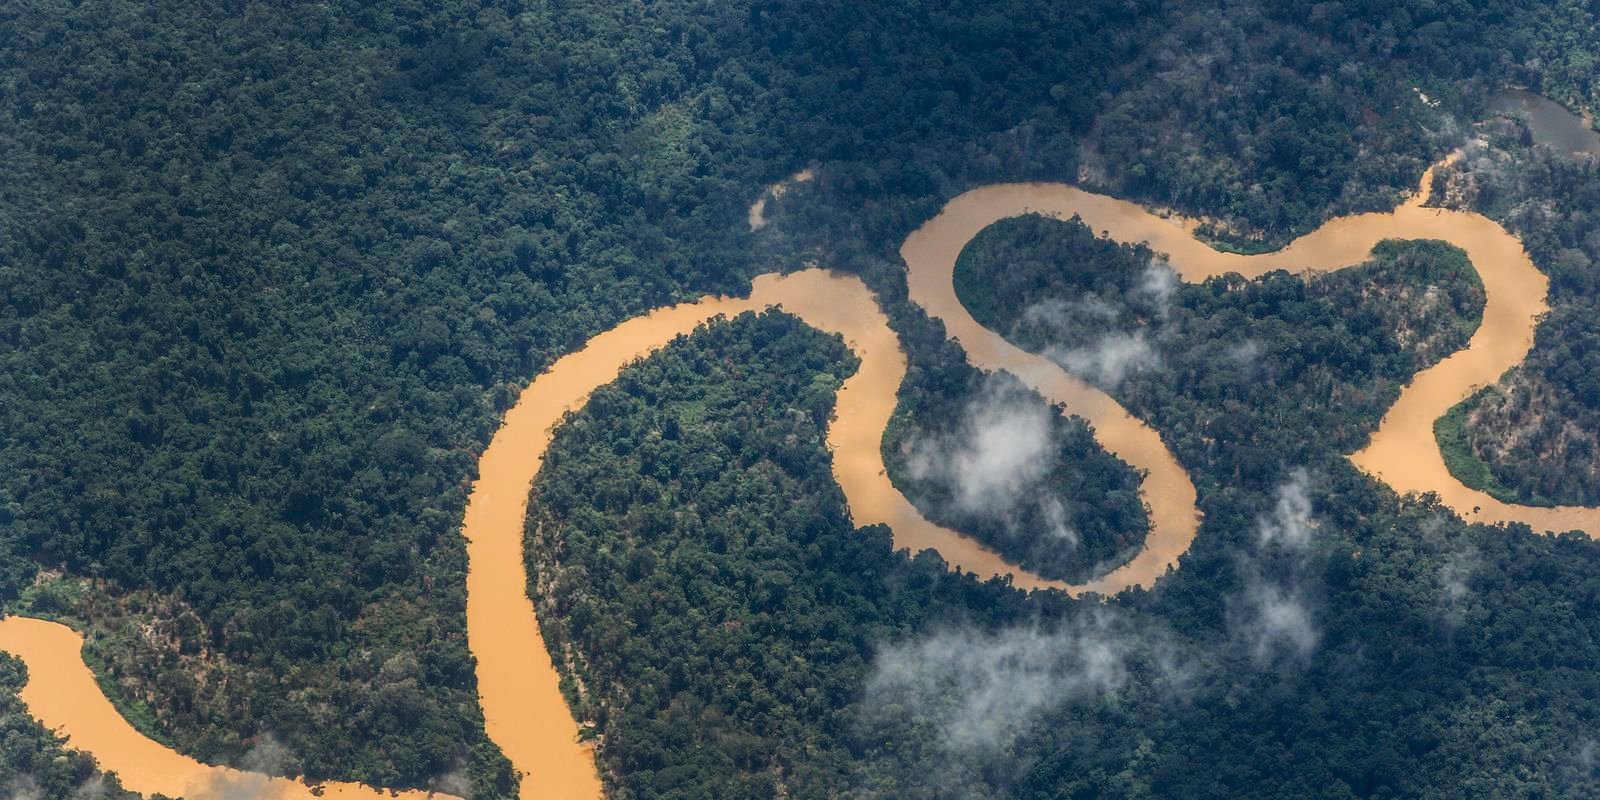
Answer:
(62, 693)
(528, 717)
(1402, 452)
(1550, 122)
(519, 687)
(517, 681)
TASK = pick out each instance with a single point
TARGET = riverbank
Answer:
(63, 695)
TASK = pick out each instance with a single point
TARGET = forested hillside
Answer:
(269, 273)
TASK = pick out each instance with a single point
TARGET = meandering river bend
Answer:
(62, 693)
(528, 719)
(519, 687)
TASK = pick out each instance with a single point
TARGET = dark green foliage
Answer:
(712, 616)
(269, 272)
(1245, 115)
(1396, 597)
(1058, 283)
(1325, 354)
(698, 573)
(1420, 685)
(1280, 108)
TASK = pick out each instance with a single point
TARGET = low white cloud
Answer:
(21, 787)
(454, 782)
(1110, 359)
(92, 789)
(1454, 581)
(1455, 577)
(26, 787)
(1055, 519)
(1062, 318)
(1290, 523)
(252, 780)
(1277, 622)
(982, 689)
(1586, 758)
(1273, 616)
(998, 453)
(1246, 353)
(1159, 283)
(1086, 340)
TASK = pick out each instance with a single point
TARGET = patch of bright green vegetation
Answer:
(1455, 444)
(1238, 247)
(64, 600)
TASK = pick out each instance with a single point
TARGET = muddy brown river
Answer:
(62, 693)
(518, 685)
(517, 682)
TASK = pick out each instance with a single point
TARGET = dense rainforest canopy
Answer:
(270, 272)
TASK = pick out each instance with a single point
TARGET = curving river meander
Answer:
(62, 693)
(518, 685)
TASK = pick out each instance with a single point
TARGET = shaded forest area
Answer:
(268, 275)
(1260, 117)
